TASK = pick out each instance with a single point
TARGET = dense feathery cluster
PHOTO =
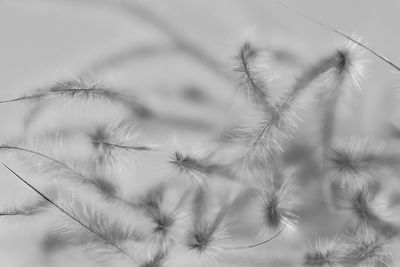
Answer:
(107, 197)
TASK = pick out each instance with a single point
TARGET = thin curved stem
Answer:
(256, 244)
(69, 215)
(22, 98)
(38, 154)
(372, 51)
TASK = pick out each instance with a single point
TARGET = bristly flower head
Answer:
(207, 235)
(208, 228)
(156, 259)
(351, 165)
(325, 253)
(267, 136)
(117, 141)
(165, 209)
(188, 165)
(251, 79)
(278, 202)
(351, 64)
(191, 164)
(371, 214)
(363, 249)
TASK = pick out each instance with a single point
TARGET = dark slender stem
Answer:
(256, 244)
(10, 214)
(372, 51)
(69, 215)
(38, 154)
(23, 98)
(143, 148)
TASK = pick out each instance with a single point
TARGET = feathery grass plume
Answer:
(250, 79)
(38, 161)
(96, 174)
(80, 90)
(82, 171)
(117, 142)
(208, 231)
(363, 249)
(371, 214)
(204, 239)
(189, 165)
(33, 207)
(72, 217)
(277, 201)
(363, 210)
(348, 37)
(166, 215)
(194, 164)
(100, 190)
(348, 74)
(156, 259)
(56, 164)
(41, 154)
(325, 253)
(352, 68)
(112, 229)
(47, 165)
(106, 186)
(355, 164)
(266, 138)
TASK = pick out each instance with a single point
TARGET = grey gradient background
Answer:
(45, 41)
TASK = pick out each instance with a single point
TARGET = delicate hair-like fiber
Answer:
(75, 90)
(351, 39)
(250, 79)
(325, 253)
(118, 248)
(266, 138)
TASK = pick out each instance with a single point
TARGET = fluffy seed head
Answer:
(205, 238)
(277, 202)
(350, 165)
(362, 249)
(251, 79)
(325, 253)
(350, 68)
(116, 142)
